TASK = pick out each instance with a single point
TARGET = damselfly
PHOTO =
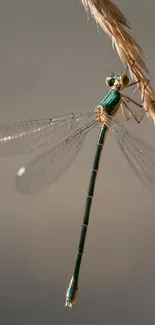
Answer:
(61, 139)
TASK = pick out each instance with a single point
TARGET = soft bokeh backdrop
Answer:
(52, 62)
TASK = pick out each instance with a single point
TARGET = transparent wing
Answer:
(47, 167)
(26, 136)
(140, 155)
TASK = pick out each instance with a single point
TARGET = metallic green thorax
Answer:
(110, 101)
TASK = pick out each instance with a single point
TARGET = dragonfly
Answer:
(60, 140)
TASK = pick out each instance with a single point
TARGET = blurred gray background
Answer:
(51, 62)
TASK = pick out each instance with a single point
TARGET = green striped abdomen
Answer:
(111, 101)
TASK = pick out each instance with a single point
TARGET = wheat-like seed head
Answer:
(114, 23)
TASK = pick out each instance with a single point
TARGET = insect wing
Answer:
(27, 136)
(41, 172)
(140, 155)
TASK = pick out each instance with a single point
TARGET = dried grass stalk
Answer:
(114, 23)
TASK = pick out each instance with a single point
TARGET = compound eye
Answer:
(110, 81)
(124, 80)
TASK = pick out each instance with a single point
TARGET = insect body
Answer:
(61, 139)
(107, 107)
